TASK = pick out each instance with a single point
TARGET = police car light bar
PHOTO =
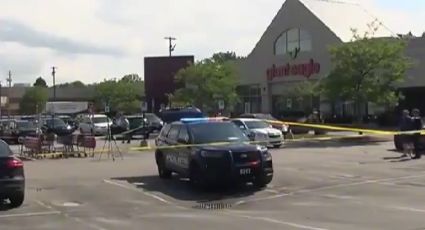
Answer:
(203, 119)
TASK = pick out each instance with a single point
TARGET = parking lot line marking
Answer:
(30, 214)
(408, 209)
(271, 220)
(346, 185)
(76, 219)
(137, 190)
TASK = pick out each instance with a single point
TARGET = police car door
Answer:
(184, 150)
(171, 152)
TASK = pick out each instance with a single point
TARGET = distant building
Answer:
(11, 97)
(159, 78)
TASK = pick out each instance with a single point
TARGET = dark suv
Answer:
(188, 147)
(12, 179)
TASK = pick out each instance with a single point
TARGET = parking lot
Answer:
(317, 185)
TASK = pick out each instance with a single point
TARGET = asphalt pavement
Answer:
(317, 185)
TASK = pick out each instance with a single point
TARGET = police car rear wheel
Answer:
(163, 172)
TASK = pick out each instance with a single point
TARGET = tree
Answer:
(40, 82)
(34, 100)
(208, 81)
(123, 95)
(131, 78)
(367, 70)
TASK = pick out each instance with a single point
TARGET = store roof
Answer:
(340, 16)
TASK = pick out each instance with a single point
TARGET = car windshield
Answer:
(256, 124)
(5, 151)
(100, 119)
(216, 132)
(152, 118)
(25, 125)
(55, 122)
(135, 121)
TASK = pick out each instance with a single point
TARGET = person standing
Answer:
(406, 124)
(124, 126)
(417, 126)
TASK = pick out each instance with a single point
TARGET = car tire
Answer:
(163, 172)
(277, 146)
(262, 181)
(17, 199)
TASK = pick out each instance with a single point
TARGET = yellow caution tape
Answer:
(340, 128)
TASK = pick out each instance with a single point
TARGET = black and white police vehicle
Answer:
(211, 151)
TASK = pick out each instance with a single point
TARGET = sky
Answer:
(93, 40)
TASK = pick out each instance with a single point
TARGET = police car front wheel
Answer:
(262, 181)
(163, 172)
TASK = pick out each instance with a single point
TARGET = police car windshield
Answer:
(256, 124)
(216, 132)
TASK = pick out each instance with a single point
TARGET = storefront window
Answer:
(291, 40)
(250, 99)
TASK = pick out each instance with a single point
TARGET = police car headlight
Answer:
(261, 148)
(207, 154)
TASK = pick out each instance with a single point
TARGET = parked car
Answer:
(259, 130)
(8, 131)
(140, 125)
(12, 177)
(154, 122)
(27, 128)
(295, 116)
(206, 165)
(269, 119)
(96, 124)
(175, 114)
(56, 126)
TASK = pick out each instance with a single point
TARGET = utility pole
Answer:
(9, 81)
(54, 82)
(171, 47)
(54, 92)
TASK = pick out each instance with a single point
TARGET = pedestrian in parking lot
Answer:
(406, 124)
(124, 125)
(417, 126)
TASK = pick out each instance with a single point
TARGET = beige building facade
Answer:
(295, 49)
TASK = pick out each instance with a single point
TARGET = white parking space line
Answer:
(30, 214)
(271, 220)
(76, 219)
(343, 185)
(139, 190)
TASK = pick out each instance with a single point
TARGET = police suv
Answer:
(211, 151)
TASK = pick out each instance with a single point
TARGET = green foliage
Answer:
(367, 69)
(75, 84)
(34, 100)
(208, 81)
(40, 82)
(122, 95)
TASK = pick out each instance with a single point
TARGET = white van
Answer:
(96, 124)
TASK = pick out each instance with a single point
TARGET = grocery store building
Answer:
(294, 49)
